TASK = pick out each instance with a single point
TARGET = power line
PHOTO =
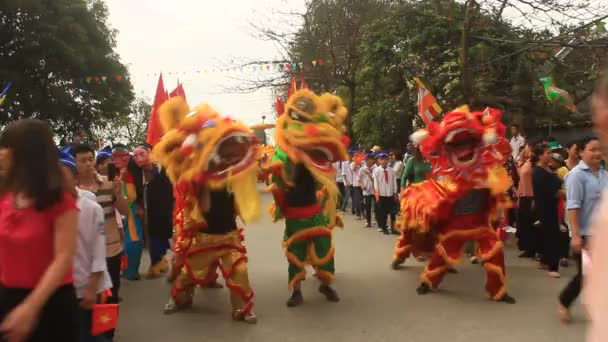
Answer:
(567, 33)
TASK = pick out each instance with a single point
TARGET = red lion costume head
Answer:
(464, 144)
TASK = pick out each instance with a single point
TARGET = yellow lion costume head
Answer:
(311, 131)
(200, 147)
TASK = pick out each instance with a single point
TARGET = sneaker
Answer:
(474, 260)
(385, 231)
(296, 299)
(380, 230)
(329, 293)
(367, 225)
(507, 299)
(423, 289)
(553, 274)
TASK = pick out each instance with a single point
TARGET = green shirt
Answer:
(415, 171)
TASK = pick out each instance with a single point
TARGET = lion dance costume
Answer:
(211, 161)
(309, 137)
(462, 200)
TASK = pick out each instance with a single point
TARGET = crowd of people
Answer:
(62, 242)
(74, 220)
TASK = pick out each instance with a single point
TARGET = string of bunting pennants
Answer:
(263, 67)
(102, 78)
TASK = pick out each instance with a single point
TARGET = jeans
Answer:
(342, 190)
(346, 197)
(357, 196)
(573, 289)
(368, 204)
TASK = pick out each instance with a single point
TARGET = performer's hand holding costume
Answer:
(463, 199)
(211, 161)
(309, 138)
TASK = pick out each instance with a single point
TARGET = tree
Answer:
(48, 50)
(331, 31)
(131, 128)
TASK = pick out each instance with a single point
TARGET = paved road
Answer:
(377, 304)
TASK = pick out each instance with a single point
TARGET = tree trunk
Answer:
(467, 82)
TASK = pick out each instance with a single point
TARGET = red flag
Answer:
(303, 85)
(155, 132)
(105, 317)
(279, 106)
(179, 91)
(293, 87)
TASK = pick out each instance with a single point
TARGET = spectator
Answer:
(37, 298)
(385, 187)
(517, 140)
(573, 155)
(398, 167)
(339, 181)
(110, 197)
(416, 169)
(103, 159)
(584, 186)
(357, 194)
(366, 180)
(558, 166)
(547, 189)
(347, 175)
(597, 296)
(91, 276)
(527, 235)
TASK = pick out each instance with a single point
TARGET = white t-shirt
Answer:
(385, 186)
(516, 142)
(596, 283)
(347, 172)
(366, 180)
(338, 167)
(90, 256)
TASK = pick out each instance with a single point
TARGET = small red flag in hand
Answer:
(124, 262)
(105, 317)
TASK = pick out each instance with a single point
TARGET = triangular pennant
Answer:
(301, 65)
(268, 67)
(127, 77)
(261, 67)
(294, 65)
(118, 77)
(321, 62)
(96, 78)
(88, 79)
(286, 66)
(314, 63)
(104, 78)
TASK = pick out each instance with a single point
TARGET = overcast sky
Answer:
(189, 35)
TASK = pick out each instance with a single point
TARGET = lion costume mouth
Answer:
(232, 154)
(462, 146)
(321, 156)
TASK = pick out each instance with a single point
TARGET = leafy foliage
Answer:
(48, 48)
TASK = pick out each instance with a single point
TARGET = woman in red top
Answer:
(38, 221)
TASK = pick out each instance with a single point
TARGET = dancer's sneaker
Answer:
(172, 306)
(329, 293)
(423, 289)
(296, 299)
(248, 317)
(397, 264)
(474, 260)
(507, 299)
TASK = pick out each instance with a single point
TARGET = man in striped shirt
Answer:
(110, 197)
